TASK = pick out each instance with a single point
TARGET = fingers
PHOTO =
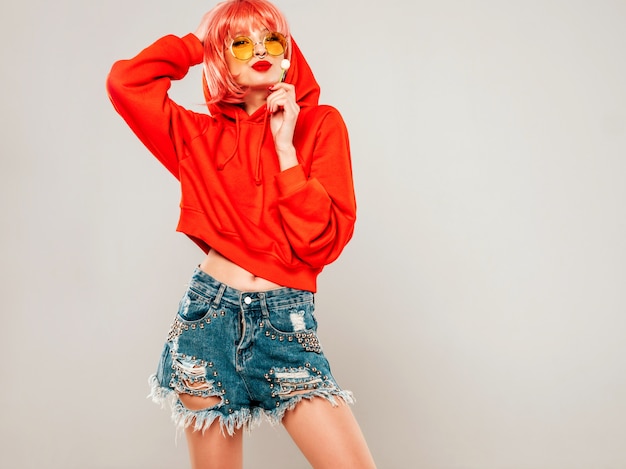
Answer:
(283, 109)
(282, 96)
(282, 102)
(202, 29)
(283, 86)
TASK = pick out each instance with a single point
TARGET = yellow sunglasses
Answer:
(242, 47)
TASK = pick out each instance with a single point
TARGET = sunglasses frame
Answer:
(281, 39)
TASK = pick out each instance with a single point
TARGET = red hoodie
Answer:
(282, 226)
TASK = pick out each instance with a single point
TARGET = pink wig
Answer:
(223, 23)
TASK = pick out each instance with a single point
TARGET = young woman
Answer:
(267, 194)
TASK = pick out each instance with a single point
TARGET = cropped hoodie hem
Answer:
(284, 226)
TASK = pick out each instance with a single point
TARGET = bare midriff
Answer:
(226, 271)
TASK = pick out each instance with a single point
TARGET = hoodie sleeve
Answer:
(318, 211)
(138, 89)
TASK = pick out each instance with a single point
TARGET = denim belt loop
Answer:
(263, 304)
(218, 295)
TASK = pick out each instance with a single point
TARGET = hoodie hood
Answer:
(300, 75)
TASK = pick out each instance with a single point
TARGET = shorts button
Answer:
(247, 300)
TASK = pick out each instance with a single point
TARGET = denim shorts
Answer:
(257, 351)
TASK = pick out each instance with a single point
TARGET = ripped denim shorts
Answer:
(257, 351)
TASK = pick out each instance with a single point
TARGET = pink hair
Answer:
(223, 22)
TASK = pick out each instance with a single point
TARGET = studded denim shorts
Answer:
(257, 351)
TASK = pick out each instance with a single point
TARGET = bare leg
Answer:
(211, 449)
(329, 437)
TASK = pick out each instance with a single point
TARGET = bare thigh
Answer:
(328, 436)
(211, 449)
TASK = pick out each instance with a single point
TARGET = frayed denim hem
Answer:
(202, 419)
(335, 397)
(244, 418)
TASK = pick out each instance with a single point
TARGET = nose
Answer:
(259, 49)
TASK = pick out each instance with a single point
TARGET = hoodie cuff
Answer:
(194, 47)
(290, 180)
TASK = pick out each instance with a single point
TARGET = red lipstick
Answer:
(262, 66)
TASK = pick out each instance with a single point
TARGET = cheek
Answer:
(236, 74)
(234, 67)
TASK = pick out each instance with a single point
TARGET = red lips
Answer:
(262, 66)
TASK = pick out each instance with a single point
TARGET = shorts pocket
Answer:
(291, 319)
(194, 307)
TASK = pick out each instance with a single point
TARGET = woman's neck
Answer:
(254, 100)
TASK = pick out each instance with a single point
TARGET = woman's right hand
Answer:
(203, 28)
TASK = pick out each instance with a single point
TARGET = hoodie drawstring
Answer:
(220, 166)
(257, 163)
(257, 170)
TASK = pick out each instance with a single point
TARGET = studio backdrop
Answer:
(478, 314)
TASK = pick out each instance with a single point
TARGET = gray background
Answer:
(479, 312)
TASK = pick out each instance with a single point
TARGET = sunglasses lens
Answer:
(275, 43)
(242, 48)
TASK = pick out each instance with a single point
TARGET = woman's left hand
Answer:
(281, 103)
